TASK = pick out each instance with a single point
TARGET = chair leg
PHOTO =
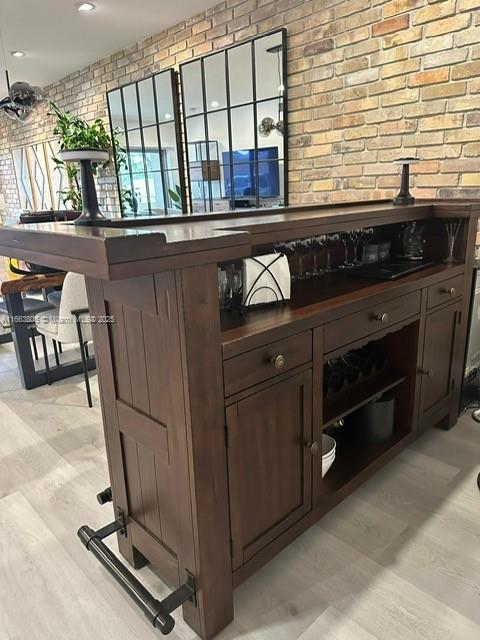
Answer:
(45, 355)
(82, 344)
(34, 343)
(55, 350)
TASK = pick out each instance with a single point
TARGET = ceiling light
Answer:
(168, 116)
(215, 103)
(84, 7)
(18, 54)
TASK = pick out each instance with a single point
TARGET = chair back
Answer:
(74, 296)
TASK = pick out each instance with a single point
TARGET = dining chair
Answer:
(68, 323)
(31, 306)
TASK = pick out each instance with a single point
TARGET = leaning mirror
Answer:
(148, 155)
(235, 119)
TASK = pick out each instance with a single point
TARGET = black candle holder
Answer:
(404, 196)
(91, 214)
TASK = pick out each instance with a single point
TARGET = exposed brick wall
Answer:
(369, 81)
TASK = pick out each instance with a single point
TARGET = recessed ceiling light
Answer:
(168, 116)
(18, 54)
(215, 103)
(84, 7)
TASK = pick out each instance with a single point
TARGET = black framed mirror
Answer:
(235, 123)
(144, 117)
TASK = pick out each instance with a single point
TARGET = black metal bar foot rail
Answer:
(158, 612)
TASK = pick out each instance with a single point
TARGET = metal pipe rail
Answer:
(157, 612)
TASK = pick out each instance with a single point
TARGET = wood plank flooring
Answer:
(399, 560)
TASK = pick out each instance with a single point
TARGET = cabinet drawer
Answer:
(266, 362)
(444, 291)
(361, 324)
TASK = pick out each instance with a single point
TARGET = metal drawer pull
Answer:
(427, 372)
(383, 318)
(279, 362)
(451, 291)
(158, 612)
(314, 447)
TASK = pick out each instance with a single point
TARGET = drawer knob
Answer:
(314, 447)
(451, 291)
(279, 361)
(383, 318)
(427, 372)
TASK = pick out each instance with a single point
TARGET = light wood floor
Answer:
(399, 560)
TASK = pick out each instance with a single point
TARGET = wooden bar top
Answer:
(128, 247)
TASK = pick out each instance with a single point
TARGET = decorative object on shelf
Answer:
(412, 241)
(266, 279)
(374, 422)
(90, 212)
(404, 197)
(452, 227)
(86, 144)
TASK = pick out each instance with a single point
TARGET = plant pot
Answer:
(90, 212)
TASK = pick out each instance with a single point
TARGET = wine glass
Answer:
(452, 227)
(318, 242)
(332, 243)
(303, 247)
(356, 235)
(367, 235)
(345, 238)
(289, 248)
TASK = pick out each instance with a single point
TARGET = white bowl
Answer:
(326, 464)
(329, 448)
(328, 445)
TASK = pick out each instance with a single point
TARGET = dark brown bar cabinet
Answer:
(213, 420)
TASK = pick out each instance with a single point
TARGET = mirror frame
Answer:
(228, 109)
(158, 123)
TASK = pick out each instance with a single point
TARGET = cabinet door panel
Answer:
(440, 332)
(269, 463)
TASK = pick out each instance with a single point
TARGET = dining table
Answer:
(21, 310)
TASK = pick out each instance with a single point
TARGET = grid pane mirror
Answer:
(235, 116)
(143, 117)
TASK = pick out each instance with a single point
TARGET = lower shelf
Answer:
(352, 457)
(352, 397)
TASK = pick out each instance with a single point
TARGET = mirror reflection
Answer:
(148, 156)
(234, 113)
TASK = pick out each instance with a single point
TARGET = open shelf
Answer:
(352, 457)
(316, 296)
(354, 396)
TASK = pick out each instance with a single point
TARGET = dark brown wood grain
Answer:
(261, 364)
(174, 373)
(22, 284)
(202, 365)
(369, 320)
(270, 462)
(125, 248)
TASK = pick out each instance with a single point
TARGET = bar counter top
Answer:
(138, 246)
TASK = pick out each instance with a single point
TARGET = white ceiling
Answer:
(57, 39)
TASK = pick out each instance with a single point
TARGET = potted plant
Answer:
(88, 145)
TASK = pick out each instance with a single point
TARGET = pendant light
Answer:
(22, 98)
(268, 124)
